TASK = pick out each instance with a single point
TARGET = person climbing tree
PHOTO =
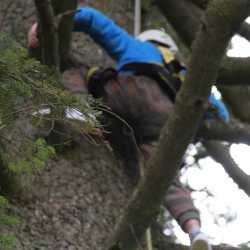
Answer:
(140, 94)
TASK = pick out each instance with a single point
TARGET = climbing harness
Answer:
(164, 76)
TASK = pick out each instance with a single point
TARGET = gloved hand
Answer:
(217, 109)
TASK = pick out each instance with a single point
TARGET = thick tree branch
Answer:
(222, 19)
(221, 154)
(244, 30)
(49, 38)
(201, 3)
(234, 71)
(64, 10)
(181, 15)
(238, 99)
(234, 132)
(56, 26)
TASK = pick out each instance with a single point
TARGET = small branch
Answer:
(244, 31)
(61, 16)
(48, 35)
(234, 71)
(183, 16)
(234, 132)
(64, 11)
(220, 153)
(201, 3)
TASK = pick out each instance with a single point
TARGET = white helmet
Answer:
(158, 36)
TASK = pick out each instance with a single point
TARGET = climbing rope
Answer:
(137, 20)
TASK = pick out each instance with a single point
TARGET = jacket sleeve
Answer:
(220, 109)
(121, 46)
(103, 31)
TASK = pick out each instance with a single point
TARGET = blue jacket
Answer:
(121, 46)
(124, 48)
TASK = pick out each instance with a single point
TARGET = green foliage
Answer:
(32, 157)
(26, 86)
(146, 5)
(7, 242)
(3, 202)
(9, 220)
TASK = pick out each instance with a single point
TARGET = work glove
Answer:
(217, 109)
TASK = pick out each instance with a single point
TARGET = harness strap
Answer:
(97, 80)
(164, 76)
(169, 84)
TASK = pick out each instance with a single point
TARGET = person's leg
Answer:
(124, 145)
(181, 207)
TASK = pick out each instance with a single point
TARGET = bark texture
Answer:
(235, 132)
(48, 36)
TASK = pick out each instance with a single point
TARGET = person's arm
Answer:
(32, 39)
(103, 31)
(121, 46)
(218, 109)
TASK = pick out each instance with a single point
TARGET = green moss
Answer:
(33, 157)
(7, 242)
